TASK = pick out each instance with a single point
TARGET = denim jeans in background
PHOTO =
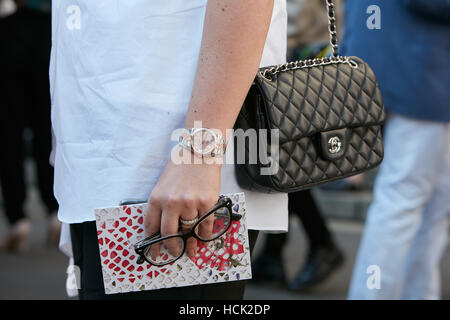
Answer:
(407, 224)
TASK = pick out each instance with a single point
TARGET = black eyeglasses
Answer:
(160, 251)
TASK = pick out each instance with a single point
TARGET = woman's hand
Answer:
(185, 191)
(234, 34)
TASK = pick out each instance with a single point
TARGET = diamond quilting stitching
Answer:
(313, 106)
(311, 168)
(307, 101)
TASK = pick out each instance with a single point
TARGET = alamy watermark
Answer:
(73, 21)
(250, 147)
(374, 279)
(374, 20)
(73, 281)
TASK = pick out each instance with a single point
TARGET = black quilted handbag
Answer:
(327, 114)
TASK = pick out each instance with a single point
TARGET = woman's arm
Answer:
(233, 41)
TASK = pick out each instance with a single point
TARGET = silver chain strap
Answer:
(268, 73)
(332, 27)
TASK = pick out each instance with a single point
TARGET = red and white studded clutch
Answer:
(119, 228)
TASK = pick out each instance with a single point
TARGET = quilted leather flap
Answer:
(307, 101)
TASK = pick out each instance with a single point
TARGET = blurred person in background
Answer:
(25, 102)
(324, 256)
(308, 22)
(407, 224)
(309, 40)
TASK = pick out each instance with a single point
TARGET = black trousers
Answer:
(25, 102)
(87, 258)
(304, 206)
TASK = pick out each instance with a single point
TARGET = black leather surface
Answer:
(303, 104)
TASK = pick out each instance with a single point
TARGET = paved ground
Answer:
(41, 273)
(347, 235)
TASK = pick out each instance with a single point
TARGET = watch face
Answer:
(204, 141)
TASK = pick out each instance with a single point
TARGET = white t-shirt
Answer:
(121, 78)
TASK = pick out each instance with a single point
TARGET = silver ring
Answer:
(188, 222)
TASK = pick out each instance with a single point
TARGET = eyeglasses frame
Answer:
(142, 245)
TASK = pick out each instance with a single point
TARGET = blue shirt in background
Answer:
(410, 54)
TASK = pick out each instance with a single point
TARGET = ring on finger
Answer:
(188, 222)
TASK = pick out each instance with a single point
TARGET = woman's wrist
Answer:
(183, 156)
(203, 143)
